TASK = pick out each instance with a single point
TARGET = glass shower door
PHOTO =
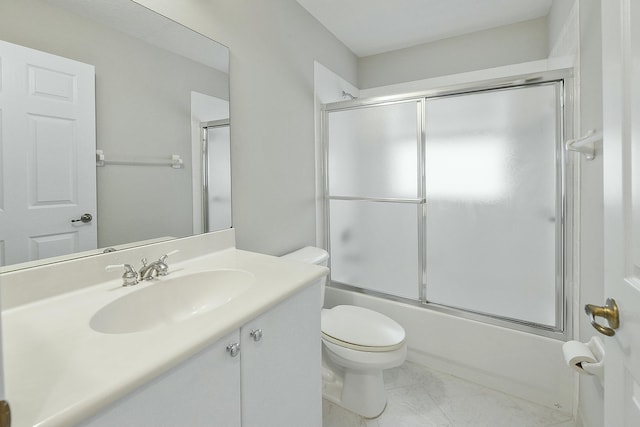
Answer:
(374, 187)
(494, 237)
(217, 175)
(455, 201)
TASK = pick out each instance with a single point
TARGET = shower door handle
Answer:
(609, 311)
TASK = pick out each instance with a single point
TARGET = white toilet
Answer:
(358, 344)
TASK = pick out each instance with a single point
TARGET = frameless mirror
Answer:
(156, 84)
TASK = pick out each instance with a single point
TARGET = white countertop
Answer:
(59, 371)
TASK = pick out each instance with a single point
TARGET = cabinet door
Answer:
(203, 391)
(281, 377)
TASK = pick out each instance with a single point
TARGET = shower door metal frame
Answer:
(566, 185)
(204, 126)
(419, 201)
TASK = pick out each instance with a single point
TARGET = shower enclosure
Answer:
(454, 199)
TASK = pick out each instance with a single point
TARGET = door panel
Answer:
(52, 84)
(374, 151)
(49, 246)
(493, 212)
(385, 260)
(376, 196)
(621, 98)
(52, 161)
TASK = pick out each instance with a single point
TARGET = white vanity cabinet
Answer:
(203, 391)
(273, 381)
(281, 378)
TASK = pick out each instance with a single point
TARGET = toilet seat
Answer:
(361, 329)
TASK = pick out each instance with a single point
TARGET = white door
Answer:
(47, 155)
(621, 97)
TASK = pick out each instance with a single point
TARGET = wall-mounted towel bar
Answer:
(175, 161)
(585, 144)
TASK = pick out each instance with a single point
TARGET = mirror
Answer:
(156, 83)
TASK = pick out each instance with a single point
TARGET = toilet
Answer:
(357, 345)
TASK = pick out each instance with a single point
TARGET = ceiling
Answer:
(369, 27)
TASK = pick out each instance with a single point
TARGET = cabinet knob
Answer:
(256, 334)
(233, 349)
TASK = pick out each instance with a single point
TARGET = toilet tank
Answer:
(312, 255)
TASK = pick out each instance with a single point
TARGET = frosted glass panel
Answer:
(375, 246)
(491, 202)
(218, 178)
(373, 151)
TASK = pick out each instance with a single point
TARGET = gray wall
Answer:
(558, 15)
(138, 114)
(510, 44)
(273, 46)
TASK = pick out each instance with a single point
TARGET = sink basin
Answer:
(170, 300)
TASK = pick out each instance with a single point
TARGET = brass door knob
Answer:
(609, 311)
(5, 414)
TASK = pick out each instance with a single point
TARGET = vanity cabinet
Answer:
(281, 378)
(203, 391)
(273, 381)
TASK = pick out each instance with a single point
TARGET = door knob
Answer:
(5, 414)
(609, 311)
(85, 218)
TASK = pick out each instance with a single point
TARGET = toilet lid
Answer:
(361, 327)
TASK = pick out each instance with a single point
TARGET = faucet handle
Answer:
(164, 257)
(130, 275)
(114, 267)
(163, 268)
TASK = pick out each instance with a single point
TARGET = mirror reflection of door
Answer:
(217, 175)
(47, 153)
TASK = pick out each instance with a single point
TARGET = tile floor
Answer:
(419, 397)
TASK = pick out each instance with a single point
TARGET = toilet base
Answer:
(359, 392)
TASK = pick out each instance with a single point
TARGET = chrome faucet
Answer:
(131, 277)
(155, 268)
